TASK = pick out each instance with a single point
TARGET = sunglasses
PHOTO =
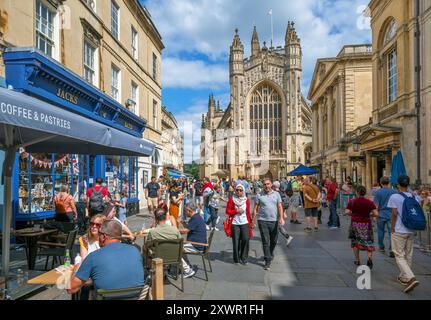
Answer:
(240, 190)
(93, 224)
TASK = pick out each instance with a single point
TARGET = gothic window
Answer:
(268, 101)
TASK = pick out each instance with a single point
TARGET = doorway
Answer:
(381, 169)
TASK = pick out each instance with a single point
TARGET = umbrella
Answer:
(398, 168)
(302, 170)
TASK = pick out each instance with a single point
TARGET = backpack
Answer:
(289, 189)
(60, 204)
(96, 200)
(413, 216)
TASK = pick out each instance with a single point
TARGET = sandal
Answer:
(357, 262)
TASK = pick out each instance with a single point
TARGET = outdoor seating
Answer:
(120, 294)
(56, 249)
(171, 252)
(205, 254)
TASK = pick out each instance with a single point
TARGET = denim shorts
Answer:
(311, 212)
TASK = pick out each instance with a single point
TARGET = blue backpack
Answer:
(413, 216)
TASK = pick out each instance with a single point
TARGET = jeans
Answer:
(334, 219)
(269, 234)
(382, 226)
(212, 221)
(240, 241)
(206, 213)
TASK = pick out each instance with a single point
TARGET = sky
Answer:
(198, 33)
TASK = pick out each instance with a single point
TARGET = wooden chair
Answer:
(171, 252)
(205, 254)
(56, 249)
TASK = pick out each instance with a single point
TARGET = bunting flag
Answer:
(75, 164)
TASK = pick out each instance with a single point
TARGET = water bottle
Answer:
(67, 259)
(78, 259)
(20, 277)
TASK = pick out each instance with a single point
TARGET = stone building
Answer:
(395, 91)
(341, 97)
(172, 141)
(267, 124)
(112, 44)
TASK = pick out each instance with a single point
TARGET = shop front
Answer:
(38, 176)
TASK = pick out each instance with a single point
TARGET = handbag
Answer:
(227, 224)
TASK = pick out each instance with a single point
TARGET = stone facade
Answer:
(80, 26)
(267, 125)
(172, 140)
(341, 96)
(394, 123)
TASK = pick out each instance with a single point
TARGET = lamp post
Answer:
(356, 145)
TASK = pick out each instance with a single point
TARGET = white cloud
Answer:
(196, 74)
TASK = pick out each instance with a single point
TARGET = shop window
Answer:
(125, 176)
(113, 174)
(133, 190)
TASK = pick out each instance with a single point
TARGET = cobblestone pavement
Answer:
(318, 265)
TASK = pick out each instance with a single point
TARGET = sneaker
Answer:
(370, 263)
(216, 229)
(413, 283)
(333, 228)
(316, 229)
(208, 227)
(382, 249)
(292, 221)
(289, 240)
(297, 222)
(404, 283)
(267, 266)
(307, 229)
(244, 263)
(218, 220)
(189, 274)
(392, 254)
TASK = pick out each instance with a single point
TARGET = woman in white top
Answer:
(89, 242)
(238, 209)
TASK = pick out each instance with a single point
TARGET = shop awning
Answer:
(41, 127)
(175, 174)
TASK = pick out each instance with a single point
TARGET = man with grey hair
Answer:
(114, 266)
(270, 214)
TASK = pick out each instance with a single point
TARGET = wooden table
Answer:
(49, 278)
(31, 236)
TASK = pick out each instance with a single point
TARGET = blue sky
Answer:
(197, 35)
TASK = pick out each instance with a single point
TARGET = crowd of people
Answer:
(188, 207)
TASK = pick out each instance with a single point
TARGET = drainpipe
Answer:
(418, 93)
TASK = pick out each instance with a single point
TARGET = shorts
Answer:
(295, 202)
(199, 200)
(311, 212)
(153, 202)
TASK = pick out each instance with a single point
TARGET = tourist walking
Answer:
(269, 210)
(361, 229)
(214, 197)
(152, 194)
(65, 209)
(295, 199)
(206, 189)
(331, 197)
(238, 209)
(402, 237)
(311, 202)
(381, 199)
(277, 188)
(97, 198)
(175, 197)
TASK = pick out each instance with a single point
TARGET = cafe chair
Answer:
(56, 249)
(171, 252)
(205, 254)
(120, 294)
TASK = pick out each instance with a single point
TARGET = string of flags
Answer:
(44, 163)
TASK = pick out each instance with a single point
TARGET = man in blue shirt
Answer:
(114, 266)
(196, 232)
(381, 200)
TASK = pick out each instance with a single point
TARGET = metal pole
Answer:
(418, 94)
(272, 29)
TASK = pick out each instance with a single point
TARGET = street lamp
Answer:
(356, 145)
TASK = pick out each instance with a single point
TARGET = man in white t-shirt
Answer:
(402, 238)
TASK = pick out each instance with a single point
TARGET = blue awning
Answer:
(302, 170)
(42, 127)
(175, 174)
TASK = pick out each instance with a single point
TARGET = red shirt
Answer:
(97, 188)
(361, 209)
(331, 191)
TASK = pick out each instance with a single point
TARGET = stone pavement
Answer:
(318, 265)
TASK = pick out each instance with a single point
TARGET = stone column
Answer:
(374, 170)
(388, 165)
(315, 130)
(341, 106)
(321, 127)
(368, 169)
(330, 124)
